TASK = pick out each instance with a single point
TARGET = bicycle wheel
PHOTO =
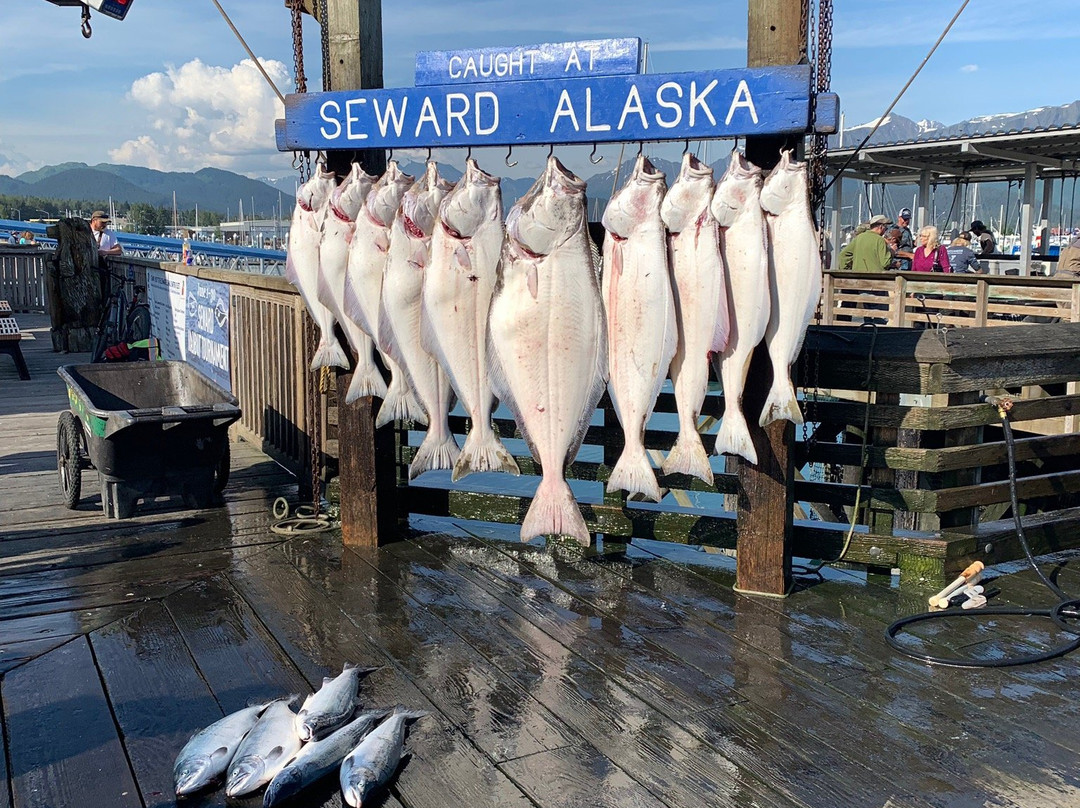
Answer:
(138, 324)
(110, 329)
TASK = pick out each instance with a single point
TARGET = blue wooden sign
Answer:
(605, 109)
(552, 60)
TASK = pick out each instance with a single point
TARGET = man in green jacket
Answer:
(868, 251)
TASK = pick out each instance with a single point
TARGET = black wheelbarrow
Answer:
(149, 428)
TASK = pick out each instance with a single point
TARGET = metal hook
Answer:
(428, 159)
(640, 147)
(510, 151)
(593, 153)
(468, 154)
(87, 31)
(551, 150)
(389, 155)
(686, 146)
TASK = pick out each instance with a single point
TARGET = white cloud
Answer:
(201, 115)
(969, 68)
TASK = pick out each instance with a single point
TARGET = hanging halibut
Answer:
(363, 288)
(402, 311)
(302, 263)
(701, 307)
(549, 352)
(794, 280)
(640, 306)
(337, 233)
(465, 249)
(743, 242)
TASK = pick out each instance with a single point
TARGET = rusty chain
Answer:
(321, 9)
(301, 160)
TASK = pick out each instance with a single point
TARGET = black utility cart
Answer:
(149, 428)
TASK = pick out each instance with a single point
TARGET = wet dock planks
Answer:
(619, 679)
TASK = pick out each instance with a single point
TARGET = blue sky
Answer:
(167, 87)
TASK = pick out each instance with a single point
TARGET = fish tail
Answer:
(483, 451)
(688, 456)
(634, 474)
(330, 354)
(400, 404)
(554, 512)
(409, 715)
(366, 381)
(734, 435)
(781, 404)
(435, 452)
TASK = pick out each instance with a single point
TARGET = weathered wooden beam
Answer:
(369, 510)
(937, 418)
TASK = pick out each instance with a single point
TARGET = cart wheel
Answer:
(221, 473)
(68, 458)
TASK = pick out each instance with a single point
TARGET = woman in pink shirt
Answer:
(930, 256)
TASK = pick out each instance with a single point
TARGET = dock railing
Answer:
(928, 494)
(22, 277)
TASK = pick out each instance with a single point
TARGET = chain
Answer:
(301, 160)
(320, 7)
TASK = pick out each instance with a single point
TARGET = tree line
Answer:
(139, 217)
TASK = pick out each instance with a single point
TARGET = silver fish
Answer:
(402, 312)
(374, 761)
(548, 344)
(640, 308)
(337, 233)
(701, 307)
(207, 755)
(794, 280)
(318, 758)
(327, 709)
(363, 287)
(744, 246)
(302, 263)
(465, 248)
(269, 745)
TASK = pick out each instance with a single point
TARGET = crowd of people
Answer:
(880, 245)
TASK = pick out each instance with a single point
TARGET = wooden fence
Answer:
(927, 493)
(22, 277)
(917, 298)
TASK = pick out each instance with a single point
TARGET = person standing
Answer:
(961, 258)
(930, 256)
(1068, 265)
(987, 244)
(868, 251)
(906, 246)
(106, 240)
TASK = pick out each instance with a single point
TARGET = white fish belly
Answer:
(796, 284)
(641, 328)
(548, 348)
(365, 277)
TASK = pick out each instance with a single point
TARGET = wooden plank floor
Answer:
(632, 678)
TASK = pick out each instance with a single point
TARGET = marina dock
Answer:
(633, 677)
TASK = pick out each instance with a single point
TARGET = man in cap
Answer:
(987, 244)
(906, 247)
(106, 241)
(868, 251)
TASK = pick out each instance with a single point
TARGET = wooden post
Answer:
(365, 454)
(775, 36)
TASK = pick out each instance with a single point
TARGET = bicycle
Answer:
(123, 320)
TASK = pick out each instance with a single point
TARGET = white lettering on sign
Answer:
(485, 65)
(427, 115)
(459, 114)
(480, 128)
(565, 108)
(699, 100)
(213, 353)
(669, 85)
(633, 104)
(572, 61)
(336, 131)
(350, 119)
(589, 125)
(743, 93)
(390, 113)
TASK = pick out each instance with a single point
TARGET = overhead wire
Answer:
(899, 95)
(250, 53)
